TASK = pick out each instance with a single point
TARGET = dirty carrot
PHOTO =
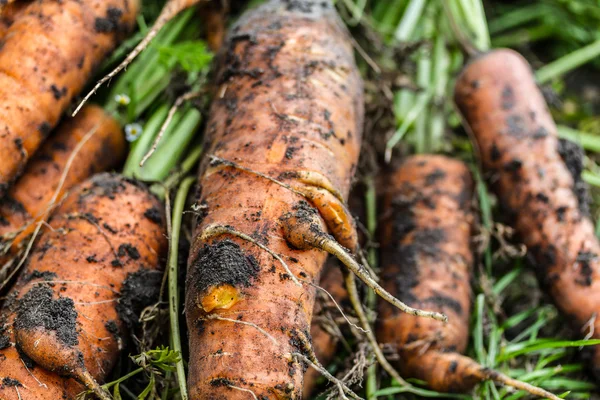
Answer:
(28, 200)
(47, 55)
(90, 273)
(426, 260)
(288, 108)
(537, 179)
(9, 13)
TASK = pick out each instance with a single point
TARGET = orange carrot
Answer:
(520, 151)
(288, 111)
(71, 306)
(100, 146)
(426, 261)
(9, 13)
(47, 56)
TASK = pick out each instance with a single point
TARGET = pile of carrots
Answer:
(82, 247)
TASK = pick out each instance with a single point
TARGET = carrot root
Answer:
(360, 312)
(302, 230)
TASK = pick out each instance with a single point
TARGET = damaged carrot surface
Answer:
(89, 271)
(427, 262)
(537, 179)
(47, 56)
(288, 107)
(100, 146)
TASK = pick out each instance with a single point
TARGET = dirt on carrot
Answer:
(65, 317)
(539, 190)
(288, 107)
(100, 146)
(47, 56)
(427, 261)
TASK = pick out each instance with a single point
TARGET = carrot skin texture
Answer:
(9, 13)
(520, 151)
(28, 199)
(47, 56)
(426, 262)
(289, 99)
(102, 235)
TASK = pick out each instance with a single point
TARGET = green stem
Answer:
(586, 140)
(390, 14)
(520, 16)
(146, 78)
(440, 77)
(523, 36)
(409, 20)
(411, 116)
(482, 35)
(123, 378)
(139, 148)
(478, 329)
(568, 62)
(371, 211)
(174, 144)
(186, 166)
(178, 208)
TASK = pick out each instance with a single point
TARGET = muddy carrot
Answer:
(9, 13)
(47, 56)
(288, 108)
(323, 340)
(426, 261)
(537, 179)
(81, 290)
(92, 142)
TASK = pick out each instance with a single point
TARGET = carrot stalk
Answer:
(178, 209)
(171, 8)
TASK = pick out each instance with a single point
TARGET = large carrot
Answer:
(520, 151)
(426, 261)
(47, 56)
(71, 306)
(89, 143)
(289, 106)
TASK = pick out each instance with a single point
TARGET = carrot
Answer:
(426, 261)
(324, 341)
(47, 56)
(214, 15)
(9, 13)
(288, 110)
(72, 305)
(29, 199)
(521, 153)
